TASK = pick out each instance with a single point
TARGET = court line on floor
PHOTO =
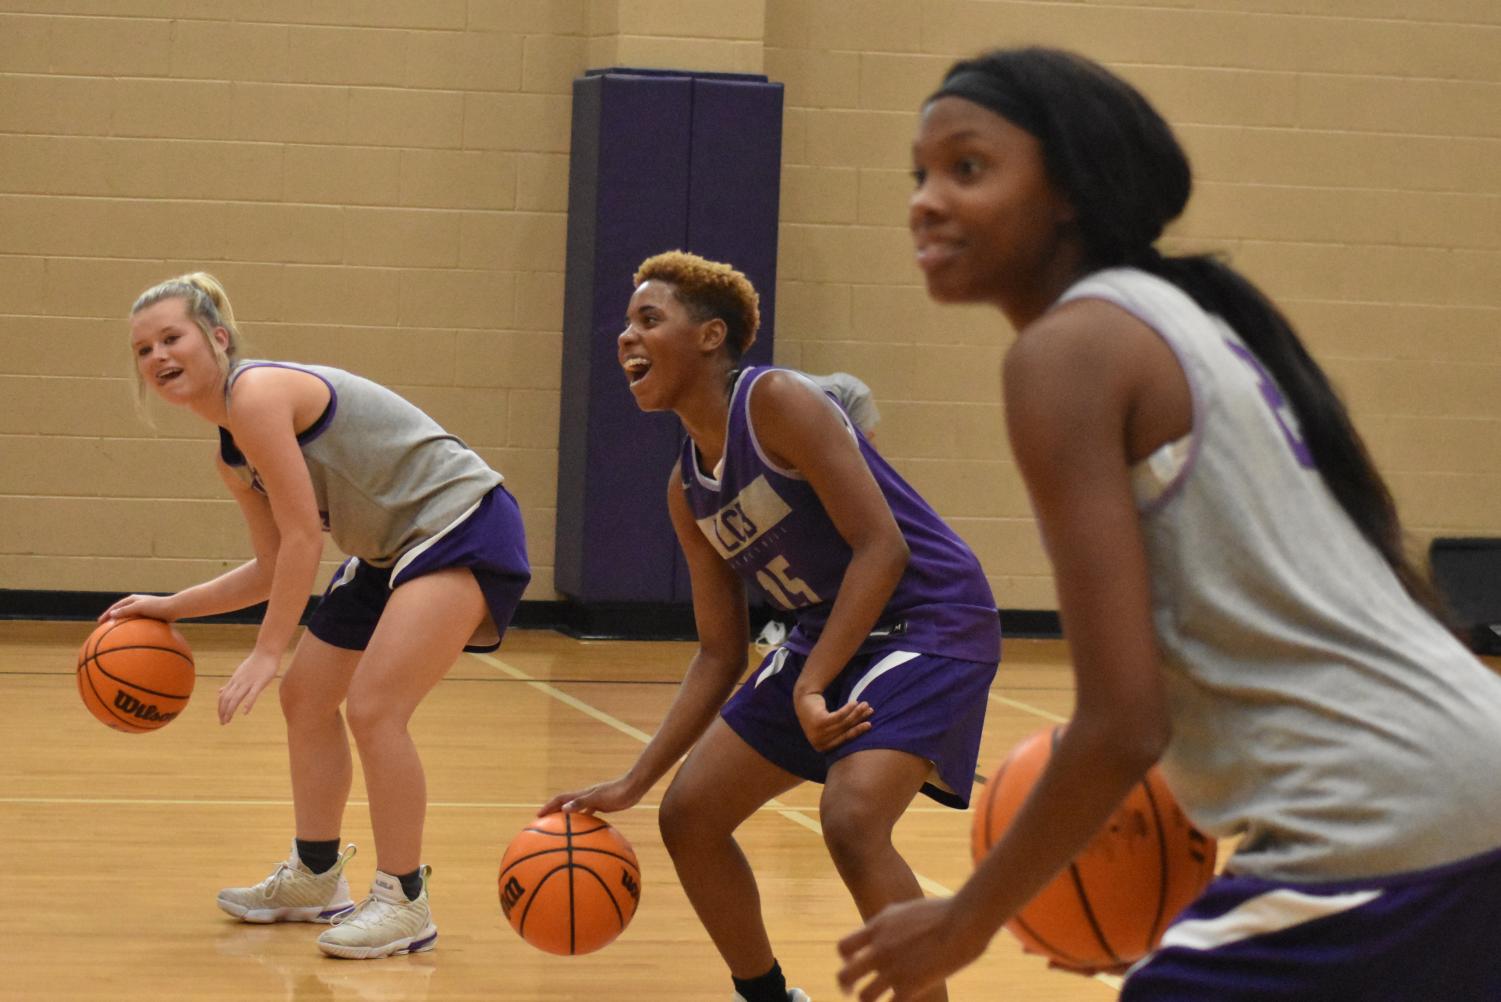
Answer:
(1029, 708)
(793, 814)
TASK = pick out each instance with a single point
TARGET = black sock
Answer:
(319, 857)
(411, 883)
(769, 987)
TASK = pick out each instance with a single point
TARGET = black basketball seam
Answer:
(544, 831)
(1094, 924)
(1162, 871)
(115, 625)
(95, 654)
(604, 852)
(531, 855)
(131, 726)
(627, 860)
(1078, 881)
(98, 638)
(531, 898)
(135, 685)
(609, 894)
(572, 927)
(1062, 955)
(110, 708)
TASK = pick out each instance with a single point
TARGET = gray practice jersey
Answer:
(385, 475)
(1317, 710)
(854, 396)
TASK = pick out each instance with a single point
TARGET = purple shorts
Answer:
(929, 706)
(489, 541)
(1432, 934)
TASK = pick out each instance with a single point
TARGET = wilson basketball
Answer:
(569, 883)
(135, 674)
(1111, 904)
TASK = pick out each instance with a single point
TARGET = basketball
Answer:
(569, 883)
(1111, 904)
(135, 674)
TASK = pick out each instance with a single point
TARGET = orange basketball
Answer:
(135, 674)
(569, 883)
(1110, 905)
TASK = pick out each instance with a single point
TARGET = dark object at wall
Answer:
(661, 160)
(1467, 573)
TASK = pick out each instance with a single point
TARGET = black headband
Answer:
(992, 94)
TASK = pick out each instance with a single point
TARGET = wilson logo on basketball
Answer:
(510, 894)
(129, 704)
(631, 886)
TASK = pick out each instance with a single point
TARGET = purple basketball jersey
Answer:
(771, 528)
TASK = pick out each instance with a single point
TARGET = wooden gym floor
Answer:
(117, 844)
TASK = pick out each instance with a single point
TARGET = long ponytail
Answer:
(1125, 175)
(1338, 450)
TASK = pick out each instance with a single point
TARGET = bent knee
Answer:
(675, 819)
(852, 834)
(369, 715)
(302, 700)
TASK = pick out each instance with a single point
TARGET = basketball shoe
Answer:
(384, 924)
(793, 995)
(292, 893)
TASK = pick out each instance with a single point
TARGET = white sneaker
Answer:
(384, 924)
(793, 995)
(292, 893)
(772, 636)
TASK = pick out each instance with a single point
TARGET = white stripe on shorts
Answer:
(1265, 913)
(345, 573)
(405, 560)
(777, 660)
(893, 660)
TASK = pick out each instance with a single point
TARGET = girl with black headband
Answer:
(1230, 575)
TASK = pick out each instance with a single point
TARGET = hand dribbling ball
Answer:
(1111, 904)
(135, 674)
(569, 883)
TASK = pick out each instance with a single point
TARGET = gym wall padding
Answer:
(661, 160)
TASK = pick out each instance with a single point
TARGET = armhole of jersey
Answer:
(750, 427)
(319, 425)
(229, 452)
(1158, 477)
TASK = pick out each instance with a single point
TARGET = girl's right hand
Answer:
(141, 607)
(615, 795)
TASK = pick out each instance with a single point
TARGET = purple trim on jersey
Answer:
(755, 440)
(1195, 391)
(230, 452)
(772, 529)
(1431, 934)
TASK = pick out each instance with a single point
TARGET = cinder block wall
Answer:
(1348, 159)
(383, 186)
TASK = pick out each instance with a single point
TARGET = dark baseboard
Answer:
(591, 621)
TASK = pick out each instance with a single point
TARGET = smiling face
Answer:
(987, 223)
(663, 349)
(172, 354)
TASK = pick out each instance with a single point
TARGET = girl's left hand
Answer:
(827, 730)
(253, 675)
(907, 949)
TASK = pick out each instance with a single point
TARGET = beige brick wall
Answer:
(1348, 158)
(383, 186)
